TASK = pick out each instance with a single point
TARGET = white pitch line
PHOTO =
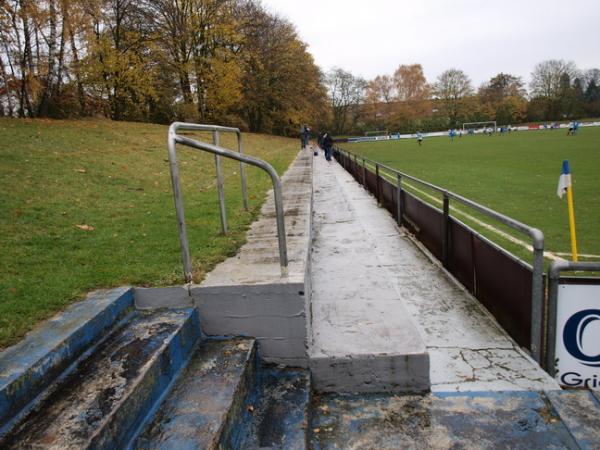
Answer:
(487, 226)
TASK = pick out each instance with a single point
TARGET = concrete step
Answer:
(29, 369)
(105, 401)
(277, 412)
(206, 399)
(482, 420)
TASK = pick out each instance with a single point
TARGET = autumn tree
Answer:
(282, 86)
(504, 95)
(346, 93)
(452, 91)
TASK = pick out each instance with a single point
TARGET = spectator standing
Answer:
(327, 145)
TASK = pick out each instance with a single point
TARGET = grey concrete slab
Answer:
(362, 336)
(167, 297)
(468, 349)
(274, 314)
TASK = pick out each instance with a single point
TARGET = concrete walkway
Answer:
(375, 292)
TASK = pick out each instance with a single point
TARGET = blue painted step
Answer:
(106, 400)
(30, 367)
(209, 395)
(277, 412)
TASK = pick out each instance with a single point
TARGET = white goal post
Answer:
(484, 125)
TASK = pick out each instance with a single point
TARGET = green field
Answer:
(516, 174)
(88, 204)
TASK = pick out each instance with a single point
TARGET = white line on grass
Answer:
(487, 226)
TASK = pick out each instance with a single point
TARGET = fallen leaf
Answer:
(81, 170)
(85, 227)
(250, 408)
(317, 430)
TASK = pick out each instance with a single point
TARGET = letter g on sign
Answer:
(573, 336)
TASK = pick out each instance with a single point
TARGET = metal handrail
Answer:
(216, 129)
(173, 139)
(553, 281)
(536, 235)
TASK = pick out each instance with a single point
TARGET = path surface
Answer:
(369, 279)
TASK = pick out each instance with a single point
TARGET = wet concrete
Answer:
(246, 295)
(499, 420)
(363, 338)
(208, 397)
(276, 414)
(257, 262)
(468, 350)
(102, 402)
(580, 411)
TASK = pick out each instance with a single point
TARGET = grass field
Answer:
(88, 204)
(516, 174)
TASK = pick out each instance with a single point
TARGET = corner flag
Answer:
(565, 185)
(564, 182)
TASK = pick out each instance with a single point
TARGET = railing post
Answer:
(178, 197)
(537, 296)
(553, 279)
(377, 182)
(220, 188)
(399, 199)
(446, 231)
(364, 174)
(243, 173)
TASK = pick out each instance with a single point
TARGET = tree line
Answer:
(221, 61)
(236, 63)
(405, 101)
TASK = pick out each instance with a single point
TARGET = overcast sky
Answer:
(482, 38)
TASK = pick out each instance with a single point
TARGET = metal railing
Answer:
(554, 280)
(537, 237)
(173, 139)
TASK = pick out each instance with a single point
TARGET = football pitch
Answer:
(515, 174)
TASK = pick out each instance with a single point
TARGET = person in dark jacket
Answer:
(327, 145)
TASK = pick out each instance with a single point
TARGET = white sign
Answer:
(578, 336)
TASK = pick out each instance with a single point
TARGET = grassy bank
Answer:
(88, 204)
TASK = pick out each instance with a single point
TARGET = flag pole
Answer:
(565, 184)
(572, 221)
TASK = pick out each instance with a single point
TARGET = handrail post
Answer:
(242, 172)
(399, 199)
(537, 295)
(178, 198)
(220, 189)
(446, 230)
(364, 174)
(377, 182)
(216, 150)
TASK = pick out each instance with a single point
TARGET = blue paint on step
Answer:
(277, 411)
(103, 403)
(30, 366)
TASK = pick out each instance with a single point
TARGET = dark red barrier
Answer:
(460, 256)
(503, 285)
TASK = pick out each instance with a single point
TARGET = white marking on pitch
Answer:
(487, 226)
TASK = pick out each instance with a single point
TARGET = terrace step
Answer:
(30, 368)
(486, 420)
(277, 411)
(104, 402)
(206, 399)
